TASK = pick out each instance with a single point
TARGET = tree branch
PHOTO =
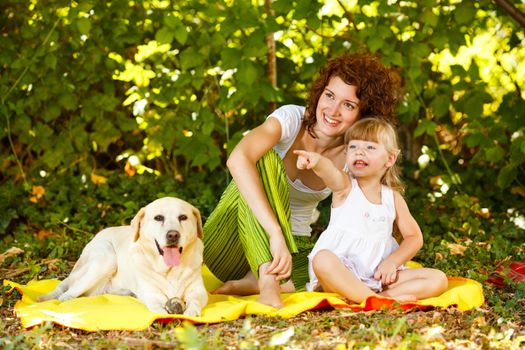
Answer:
(514, 82)
(337, 37)
(512, 11)
(347, 14)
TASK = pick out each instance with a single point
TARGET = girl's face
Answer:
(337, 108)
(368, 158)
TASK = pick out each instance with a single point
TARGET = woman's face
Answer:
(337, 108)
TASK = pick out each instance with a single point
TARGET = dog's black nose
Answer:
(172, 237)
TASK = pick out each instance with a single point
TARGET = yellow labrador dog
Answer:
(158, 259)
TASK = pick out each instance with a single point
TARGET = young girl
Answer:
(357, 256)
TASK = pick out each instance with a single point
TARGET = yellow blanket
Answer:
(111, 312)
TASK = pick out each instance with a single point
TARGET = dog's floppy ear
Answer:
(198, 220)
(135, 223)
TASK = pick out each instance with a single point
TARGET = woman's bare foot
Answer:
(248, 285)
(245, 286)
(269, 288)
(287, 287)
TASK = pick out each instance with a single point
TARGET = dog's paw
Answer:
(65, 297)
(174, 306)
(192, 311)
(42, 298)
(49, 296)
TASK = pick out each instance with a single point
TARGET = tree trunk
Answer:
(272, 61)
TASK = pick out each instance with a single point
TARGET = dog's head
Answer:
(169, 226)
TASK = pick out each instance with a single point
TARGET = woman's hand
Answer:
(386, 272)
(281, 265)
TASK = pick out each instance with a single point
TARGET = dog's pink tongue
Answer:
(171, 256)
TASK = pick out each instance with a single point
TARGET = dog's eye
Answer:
(182, 217)
(159, 218)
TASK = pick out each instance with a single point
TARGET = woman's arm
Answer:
(242, 166)
(411, 244)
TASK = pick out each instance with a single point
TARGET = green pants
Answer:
(235, 242)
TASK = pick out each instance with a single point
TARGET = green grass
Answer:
(323, 329)
(51, 233)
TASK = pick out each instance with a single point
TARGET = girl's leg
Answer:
(421, 283)
(335, 277)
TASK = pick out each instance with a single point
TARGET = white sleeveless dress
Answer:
(360, 234)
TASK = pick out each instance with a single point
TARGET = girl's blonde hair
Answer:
(380, 131)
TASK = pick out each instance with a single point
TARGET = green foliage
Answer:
(163, 90)
(175, 83)
(74, 208)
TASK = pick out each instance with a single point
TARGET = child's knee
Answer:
(321, 262)
(443, 280)
(439, 280)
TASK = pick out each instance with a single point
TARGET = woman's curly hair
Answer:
(377, 86)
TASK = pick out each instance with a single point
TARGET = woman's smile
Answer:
(338, 107)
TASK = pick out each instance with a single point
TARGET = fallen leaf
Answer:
(282, 337)
(433, 333)
(37, 193)
(43, 234)
(518, 190)
(129, 169)
(13, 251)
(98, 179)
(51, 264)
(479, 321)
(38, 190)
(456, 249)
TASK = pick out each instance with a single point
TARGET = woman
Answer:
(264, 215)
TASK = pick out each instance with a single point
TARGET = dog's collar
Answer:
(161, 252)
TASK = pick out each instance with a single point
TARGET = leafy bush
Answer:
(96, 91)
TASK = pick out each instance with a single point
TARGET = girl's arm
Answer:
(242, 166)
(411, 244)
(335, 179)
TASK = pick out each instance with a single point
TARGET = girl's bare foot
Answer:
(400, 298)
(404, 298)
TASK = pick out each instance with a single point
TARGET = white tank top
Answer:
(303, 200)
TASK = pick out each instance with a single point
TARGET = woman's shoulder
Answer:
(291, 118)
(289, 113)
